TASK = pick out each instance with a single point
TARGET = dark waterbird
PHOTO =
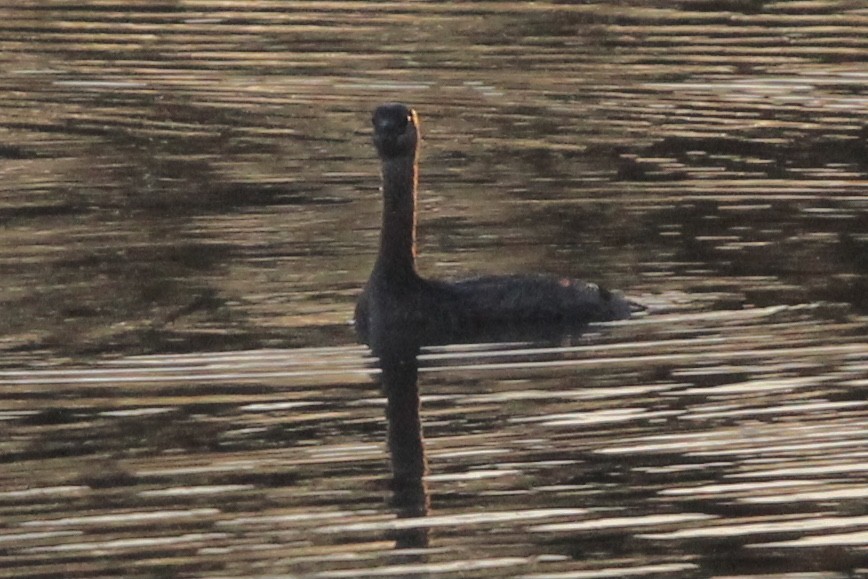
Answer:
(396, 300)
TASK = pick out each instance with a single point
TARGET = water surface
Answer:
(189, 208)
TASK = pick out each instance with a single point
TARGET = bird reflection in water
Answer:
(397, 355)
(399, 370)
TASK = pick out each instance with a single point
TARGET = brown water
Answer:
(189, 207)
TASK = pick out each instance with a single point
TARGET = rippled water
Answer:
(189, 207)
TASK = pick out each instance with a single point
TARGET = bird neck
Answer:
(397, 258)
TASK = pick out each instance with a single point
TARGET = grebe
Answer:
(397, 300)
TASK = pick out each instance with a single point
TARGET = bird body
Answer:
(396, 300)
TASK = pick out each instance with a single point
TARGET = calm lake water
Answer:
(189, 208)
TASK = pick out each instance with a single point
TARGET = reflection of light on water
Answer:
(460, 566)
(807, 470)
(736, 487)
(187, 540)
(59, 491)
(805, 523)
(24, 537)
(458, 519)
(826, 495)
(472, 475)
(721, 443)
(274, 406)
(598, 417)
(125, 518)
(195, 491)
(857, 539)
(217, 366)
(135, 412)
(622, 570)
(100, 84)
(625, 522)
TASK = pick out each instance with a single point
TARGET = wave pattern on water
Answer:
(197, 175)
(690, 449)
(189, 206)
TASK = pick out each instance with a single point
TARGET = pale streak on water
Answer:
(188, 208)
